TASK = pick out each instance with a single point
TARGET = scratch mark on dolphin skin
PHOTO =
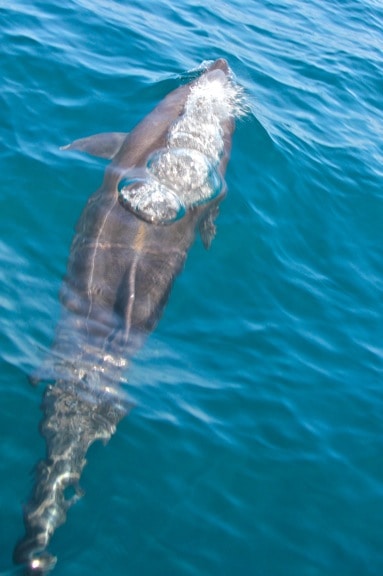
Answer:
(132, 295)
(96, 246)
(139, 240)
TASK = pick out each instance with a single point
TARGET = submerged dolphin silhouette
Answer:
(164, 181)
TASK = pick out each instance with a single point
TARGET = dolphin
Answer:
(165, 181)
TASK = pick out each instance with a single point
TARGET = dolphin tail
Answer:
(74, 417)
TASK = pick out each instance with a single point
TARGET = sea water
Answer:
(255, 446)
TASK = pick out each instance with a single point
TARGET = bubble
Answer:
(188, 173)
(187, 134)
(150, 200)
(182, 169)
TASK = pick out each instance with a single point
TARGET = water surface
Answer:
(255, 446)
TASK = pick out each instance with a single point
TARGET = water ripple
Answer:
(255, 443)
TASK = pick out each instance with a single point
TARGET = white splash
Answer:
(212, 101)
(215, 95)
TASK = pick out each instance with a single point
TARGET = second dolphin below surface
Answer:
(166, 179)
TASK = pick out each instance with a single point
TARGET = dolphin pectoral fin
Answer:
(104, 145)
(207, 227)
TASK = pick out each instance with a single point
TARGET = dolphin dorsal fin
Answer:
(104, 145)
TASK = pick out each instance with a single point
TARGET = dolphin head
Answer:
(175, 158)
(185, 168)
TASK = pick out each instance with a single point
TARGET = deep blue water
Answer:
(256, 443)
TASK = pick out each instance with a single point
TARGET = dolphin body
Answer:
(165, 181)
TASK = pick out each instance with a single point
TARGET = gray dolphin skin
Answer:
(164, 182)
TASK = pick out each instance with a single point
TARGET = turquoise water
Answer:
(256, 443)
